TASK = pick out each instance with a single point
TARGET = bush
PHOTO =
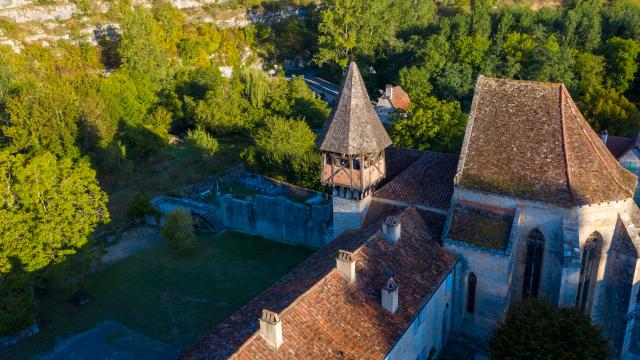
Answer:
(179, 231)
(141, 206)
(16, 307)
(537, 330)
(200, 142)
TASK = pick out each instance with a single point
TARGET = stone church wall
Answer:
(278, 219)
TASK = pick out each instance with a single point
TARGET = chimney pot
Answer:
(271, 328)
(346, 264)
(388, 91)
(391, 229)
(389, 295)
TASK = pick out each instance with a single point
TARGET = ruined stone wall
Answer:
(278, 219)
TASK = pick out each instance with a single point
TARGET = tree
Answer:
(49, 207)
(607, 109)
(431, 124)
(43, 116)
(621, 64)
(140, 207)
(537, 330)
(142, 48)
(282, 138)
(201, 143)
(178, 229)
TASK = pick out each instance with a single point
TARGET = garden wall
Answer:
(277, 218)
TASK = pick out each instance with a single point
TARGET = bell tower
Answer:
(352, 144)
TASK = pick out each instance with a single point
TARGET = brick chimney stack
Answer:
(271, 328)
(346, 264)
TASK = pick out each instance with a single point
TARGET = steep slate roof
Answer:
(427, 182)
(353, 126)
(528, 139)
(323, 316)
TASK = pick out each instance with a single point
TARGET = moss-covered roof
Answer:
(480, 227)
(529, 140)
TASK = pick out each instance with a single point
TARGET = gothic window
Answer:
(533, 264)
(589, 270)
(471, 293)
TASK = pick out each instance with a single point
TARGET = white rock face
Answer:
(24, 14)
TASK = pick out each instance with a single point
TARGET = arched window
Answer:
(588, 271)
(533, 264)
(471, 293)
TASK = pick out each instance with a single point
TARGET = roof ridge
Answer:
(563, 131)
(594, 148)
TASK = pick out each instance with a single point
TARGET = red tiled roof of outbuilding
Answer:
(323, 315)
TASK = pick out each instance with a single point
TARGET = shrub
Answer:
(179, 231)
(537, 330)
(200, 142)
(141, 206)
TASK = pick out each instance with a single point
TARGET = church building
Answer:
(429, 246)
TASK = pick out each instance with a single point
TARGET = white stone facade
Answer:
(611, 301)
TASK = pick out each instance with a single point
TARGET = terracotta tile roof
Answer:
(528, 139)
(619, 145)
(399, 98)
(323, 316)
(353, 126)
(427, 182)
(480, 227)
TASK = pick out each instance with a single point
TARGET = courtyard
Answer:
(153, 303)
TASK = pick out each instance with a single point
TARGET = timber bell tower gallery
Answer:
(352, 143)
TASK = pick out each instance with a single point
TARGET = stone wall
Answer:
(278, 219)
(348, 213)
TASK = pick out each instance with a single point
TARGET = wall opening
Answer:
(588, 272)
(533, 264)
(471, 293)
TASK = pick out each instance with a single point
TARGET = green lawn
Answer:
(174, 300)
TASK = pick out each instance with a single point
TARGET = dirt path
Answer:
(131, 242)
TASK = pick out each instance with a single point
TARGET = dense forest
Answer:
(74, 115)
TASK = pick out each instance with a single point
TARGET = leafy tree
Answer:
(49, 208)
(537, 330)
(431, 124)
(621, 65)
(201, 143)
(179, 231)
(283, 138)
(607, 109)
(43, 116)
(143, 49)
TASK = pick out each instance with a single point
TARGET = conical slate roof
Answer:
(353, 126)
(529, 140)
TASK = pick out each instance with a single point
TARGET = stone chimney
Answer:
(271, 328)
(391, 229)
(346, 264)
(388, 91)
(603, 136)
(389, 295)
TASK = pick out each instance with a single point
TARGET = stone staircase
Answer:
(215, 224)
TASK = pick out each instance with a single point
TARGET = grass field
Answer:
(174, 300)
